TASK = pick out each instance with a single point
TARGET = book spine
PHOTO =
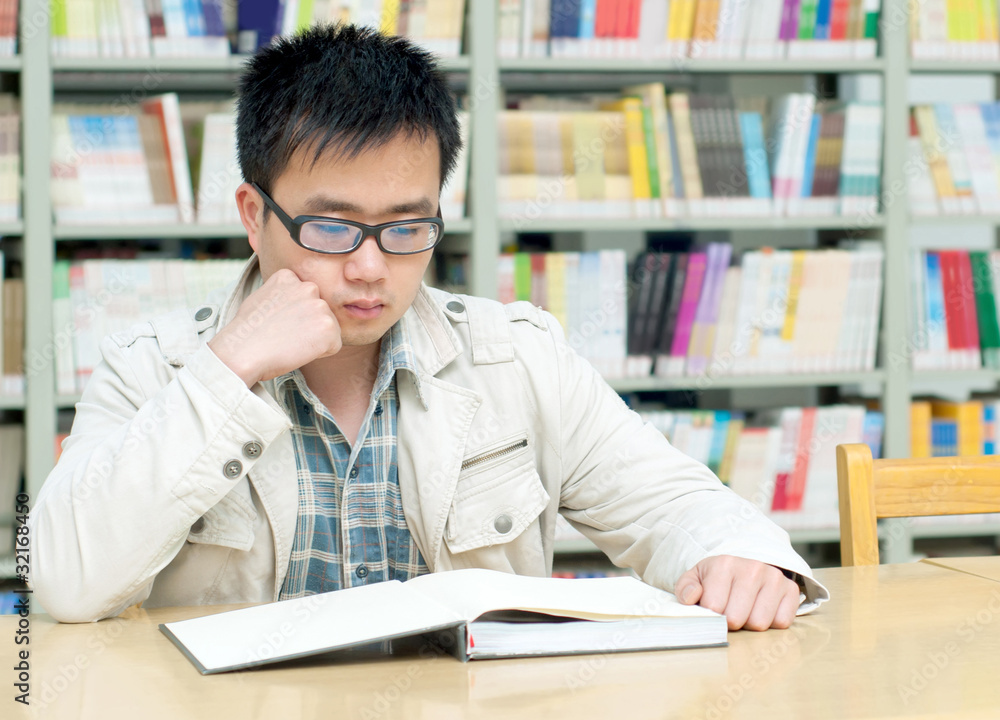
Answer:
(689, 303)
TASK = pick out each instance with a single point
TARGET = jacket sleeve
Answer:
(145, 459)
(644, 503)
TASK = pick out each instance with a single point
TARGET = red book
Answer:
(796, 486)
(953, 311)
(539, 281)
(607, 14)
(839, 12)
(622, 18)
(967, 298)
(635, 10)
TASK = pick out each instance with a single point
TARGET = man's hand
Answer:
(749, 593)
(282, 326)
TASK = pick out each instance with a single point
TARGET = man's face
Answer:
(367, 290)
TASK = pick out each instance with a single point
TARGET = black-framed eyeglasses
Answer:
(334, 236)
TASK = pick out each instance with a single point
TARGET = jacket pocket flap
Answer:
(495, 506)
(229, 523)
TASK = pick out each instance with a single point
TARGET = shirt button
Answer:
(361, 571)
(252, 449)
(354, 472)
(503, 524)
(233, 469)
(455, 306)
(378, 409)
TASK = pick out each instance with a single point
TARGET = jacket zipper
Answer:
(500, 452)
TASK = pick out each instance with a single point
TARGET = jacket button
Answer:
(203, 314)
(361, 571)
(233, 469)
(252, 449)
(503, 524)
(455, 306)
(198, 526)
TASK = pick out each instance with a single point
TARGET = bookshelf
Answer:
(484, 77)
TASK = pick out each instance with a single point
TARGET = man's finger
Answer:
(688, 588)
(765, 607)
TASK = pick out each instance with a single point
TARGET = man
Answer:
(331, 422)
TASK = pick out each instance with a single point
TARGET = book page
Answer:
(472, 592)
(303, 626)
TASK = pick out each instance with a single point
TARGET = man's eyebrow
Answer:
(326, 204)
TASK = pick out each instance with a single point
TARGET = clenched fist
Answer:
(282, 326)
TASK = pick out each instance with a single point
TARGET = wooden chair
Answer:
(906, 488)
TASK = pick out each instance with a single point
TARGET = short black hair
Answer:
(340, 88)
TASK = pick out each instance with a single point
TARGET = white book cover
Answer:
(641, 615)
(744, 330)
(723, 346)
(918, 311)
(652, 26)
(167, 108)
(873, 307)
(980, 159)
(772, 351)
(755, 462)
(920, 183)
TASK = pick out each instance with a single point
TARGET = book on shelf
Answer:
(677, 29)
(473, 613)
(954, 315)
(940, 428)
(214, 28)
(455, 190)
(954, 30)
(782, 460)
(12, 376)
(96, 298)
(652, 154)
(953, 159)
(11, 469)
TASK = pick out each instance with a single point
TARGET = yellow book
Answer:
(687, 151)
(955, 31)
(390, 17)
(589, 163)
(927, 128)
(681, 31)
(969, 418)
(988, 30)
(732, 439)
(520, 141)
(794, 286)
(654, 96)
(635, 140)
(555, 276)
(706, 20)
(920, 429)
(567, 140)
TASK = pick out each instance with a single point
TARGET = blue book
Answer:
(211, 10)
(564, 18)
(755, 155)
(810, 169)
(720, 428)
(937, 330)
(874, 429)
(944, 115)
(588, 18)
(194, 18)
(258, 23)
(823, 11)
(989, 429)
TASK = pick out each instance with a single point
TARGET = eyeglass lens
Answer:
(340, 237)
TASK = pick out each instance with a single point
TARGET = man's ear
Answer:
(251, 208)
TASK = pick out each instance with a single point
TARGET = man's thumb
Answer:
(688, 588)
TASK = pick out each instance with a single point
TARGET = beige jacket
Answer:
(177, 485)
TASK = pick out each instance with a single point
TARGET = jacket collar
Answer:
(435, 343)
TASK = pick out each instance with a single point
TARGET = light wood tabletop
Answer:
(912, 641)
(984, 566)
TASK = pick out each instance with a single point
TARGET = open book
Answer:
(459, 610)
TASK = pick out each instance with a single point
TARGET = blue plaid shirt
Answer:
(350, 528)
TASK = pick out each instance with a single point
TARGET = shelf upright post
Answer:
(895, 340)
(484, 104)
(36, 111)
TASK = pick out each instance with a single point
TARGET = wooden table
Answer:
(913, 641)
(984, 566)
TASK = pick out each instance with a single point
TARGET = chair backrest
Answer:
(870, 490)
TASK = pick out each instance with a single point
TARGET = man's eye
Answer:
(403, 231)
(332, 229)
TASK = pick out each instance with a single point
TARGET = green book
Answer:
(807, 19)
(649, 136)
(986, 309)
(522, 276)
